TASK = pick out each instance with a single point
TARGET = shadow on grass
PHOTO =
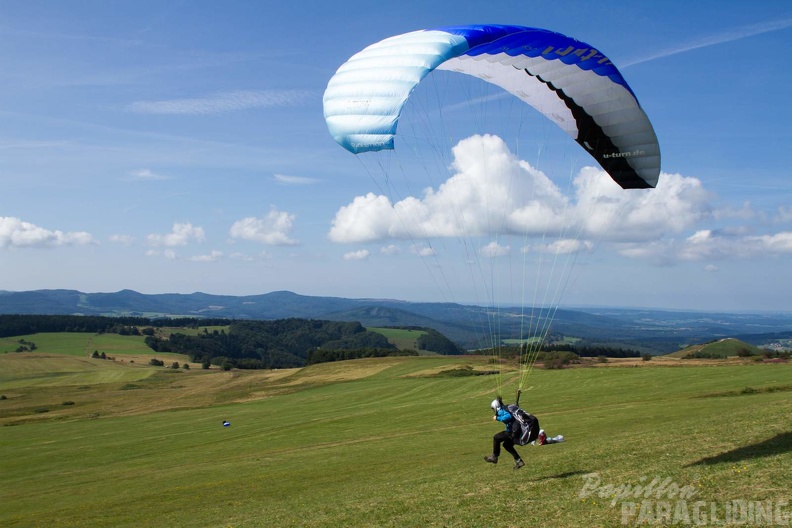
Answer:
(564, 475)
(780, 443)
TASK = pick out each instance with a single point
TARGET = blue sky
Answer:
(180, 146)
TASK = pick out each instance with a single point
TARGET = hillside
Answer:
(722, 348)
(359, 443)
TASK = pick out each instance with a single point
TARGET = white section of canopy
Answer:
(612, 106)
(364, 98)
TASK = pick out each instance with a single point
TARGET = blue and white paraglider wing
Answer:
(568, 81)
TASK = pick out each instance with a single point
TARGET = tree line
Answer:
(568, 351)
(321, 355)
(14, 325)
(593, 351)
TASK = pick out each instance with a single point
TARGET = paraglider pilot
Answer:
(504, 437)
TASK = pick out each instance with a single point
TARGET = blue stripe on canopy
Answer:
(535, 42)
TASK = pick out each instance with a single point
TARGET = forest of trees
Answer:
(274, 344)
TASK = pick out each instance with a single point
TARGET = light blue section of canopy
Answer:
(568, 81)
(364, 98)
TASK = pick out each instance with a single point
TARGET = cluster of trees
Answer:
(175, 365)
(26, 346)
(97, 355)
(270, 344)
(557, 359)
(437, 342)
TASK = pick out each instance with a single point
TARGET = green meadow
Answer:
(403, 338)
(385, 442)
(78, 343)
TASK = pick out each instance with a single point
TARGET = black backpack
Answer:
(525, 427)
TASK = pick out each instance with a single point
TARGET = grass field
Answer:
(382, 442)
(403, 338)
(78, 343)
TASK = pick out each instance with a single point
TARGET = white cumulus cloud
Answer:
(568, 245)
(273, 229)
(15, 233)
(722, 244)
(491, 189)
(361, 254)
(167, 253)
(124, 240)
(181, 235)
(776, 243)
(390, 249)
(784, 215)
(493, 249)
(712, 245)
(422, 250)
(210, 257)
(659, 252)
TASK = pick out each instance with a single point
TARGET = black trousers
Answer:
(505, 438)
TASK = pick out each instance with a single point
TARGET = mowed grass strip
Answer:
(378, 447)
(27, 370)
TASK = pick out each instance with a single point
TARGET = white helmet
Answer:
(496, 404)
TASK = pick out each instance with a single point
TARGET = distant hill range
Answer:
(655, 331)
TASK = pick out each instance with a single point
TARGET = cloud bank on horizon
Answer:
(490, 187)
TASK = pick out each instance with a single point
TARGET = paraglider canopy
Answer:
(568, 81)
(497, 210)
